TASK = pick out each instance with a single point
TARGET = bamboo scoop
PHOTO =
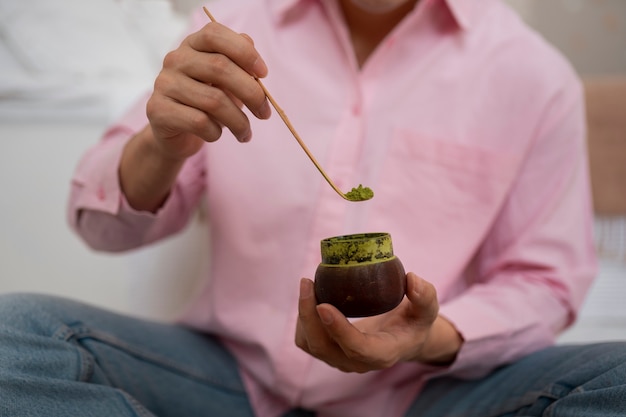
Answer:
(359, 193)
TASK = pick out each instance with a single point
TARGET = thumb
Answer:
(423, 297)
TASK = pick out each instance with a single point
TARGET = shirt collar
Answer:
(464, 12)
(280, 8)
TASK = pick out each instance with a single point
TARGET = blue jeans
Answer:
(63, 358)
(560, 381)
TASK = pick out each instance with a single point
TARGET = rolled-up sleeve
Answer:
(538, 260)
(97, 209)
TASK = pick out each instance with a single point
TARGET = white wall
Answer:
(591, 33)
(38, 252)
(50, 112)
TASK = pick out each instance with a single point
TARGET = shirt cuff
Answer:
(97, 178)
(488, 342)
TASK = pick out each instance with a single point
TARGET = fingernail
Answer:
(325, 316)
(259, 69)
(246, 137)
(418, 285)
(306, 289)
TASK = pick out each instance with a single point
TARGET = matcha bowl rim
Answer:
(356, 249)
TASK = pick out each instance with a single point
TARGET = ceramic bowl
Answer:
(360, 275)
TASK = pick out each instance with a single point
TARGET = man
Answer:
(469, 129)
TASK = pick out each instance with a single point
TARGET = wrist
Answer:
(146, 143)
(442, 345)
(146, 173)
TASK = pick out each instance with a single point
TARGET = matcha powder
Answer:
(360, 193)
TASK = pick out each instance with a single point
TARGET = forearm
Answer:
(146, 174)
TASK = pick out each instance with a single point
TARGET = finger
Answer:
(300, 338)
(308, 319)
(171, 116)
(220, 71)
(234, 99)
(363, 352)
(349, 338)
(215, 37)
(313, 335)
(247, 37)
(423, 297)
(214, 102)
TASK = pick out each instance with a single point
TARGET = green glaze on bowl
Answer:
(356, 249)
(360, 275)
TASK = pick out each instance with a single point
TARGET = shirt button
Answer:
(101, 194)
(356, 109)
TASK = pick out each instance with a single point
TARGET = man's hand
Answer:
(200, 90)
(413, 331)
(202, 87)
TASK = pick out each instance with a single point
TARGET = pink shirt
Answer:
(470, 131)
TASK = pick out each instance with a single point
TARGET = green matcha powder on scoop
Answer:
(360, 193)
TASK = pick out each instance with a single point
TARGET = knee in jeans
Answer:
(27, 312)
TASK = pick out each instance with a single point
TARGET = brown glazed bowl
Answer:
(360, 275)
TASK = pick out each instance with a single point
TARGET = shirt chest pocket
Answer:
(444, 179)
